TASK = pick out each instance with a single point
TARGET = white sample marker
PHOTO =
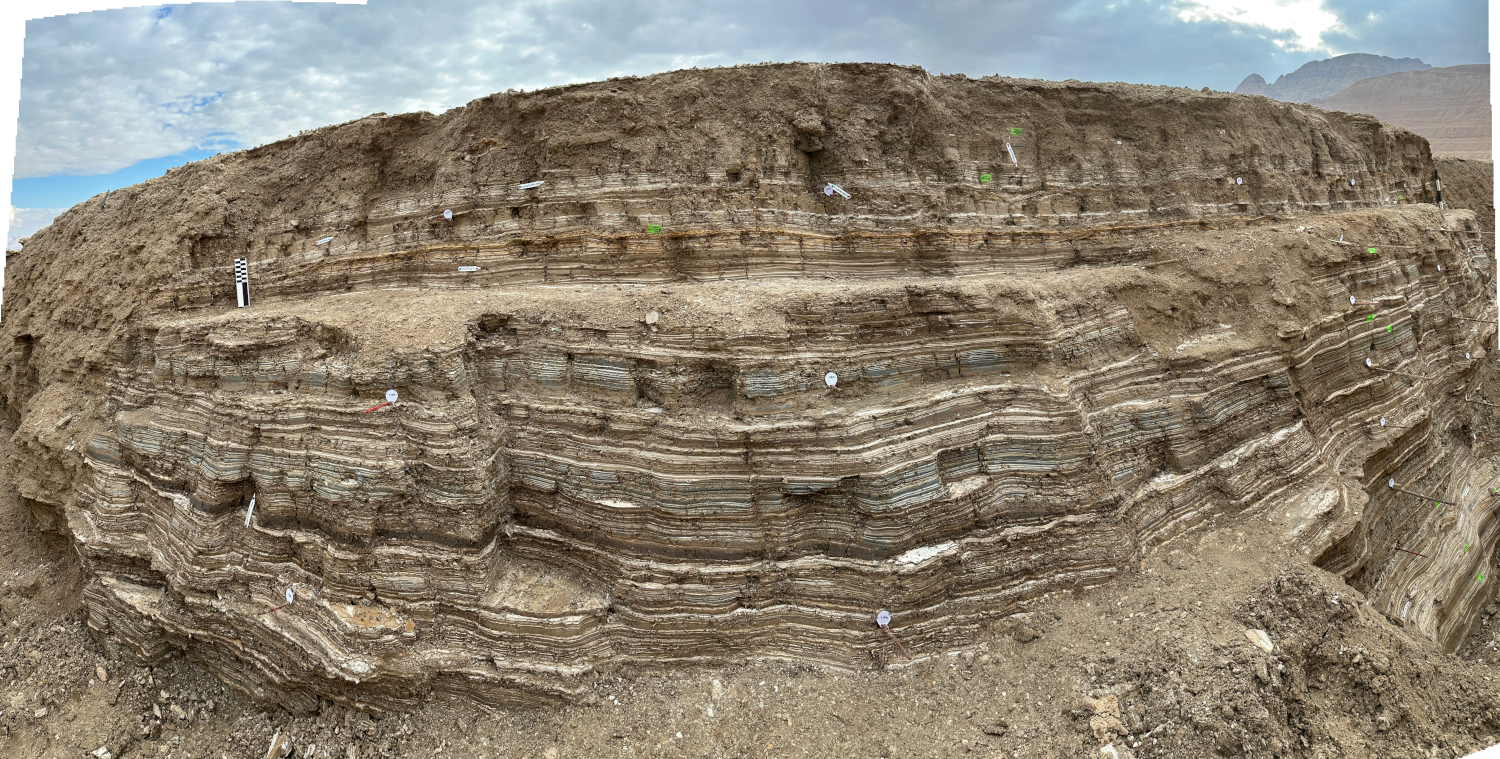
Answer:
(1013, 160)
(1367, 363)
(831, 379)
(1466, 491)
(250, 511)
(1440, 267)
(390, 396)
(833, 188)
(1466, 355)
(326, 239)
(468, 268)
(1351, 183)
(1239, 180)
(1351, 300)
(883, 618)
(528, 185)
(1391, 483)
(448, 214)
(242, 282)
(1382, 421)
(289, 595)
(652, 317)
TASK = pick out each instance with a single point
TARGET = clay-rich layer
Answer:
(1044, 370)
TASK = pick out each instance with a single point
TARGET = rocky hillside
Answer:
(685, 401)
(1321, 79)
(1449, 106)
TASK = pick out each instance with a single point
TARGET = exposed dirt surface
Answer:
(1170, 436)
(1160, 658)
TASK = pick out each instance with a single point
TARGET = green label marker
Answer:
(1389, 327)
(1481, 577)
(1015, 130)
(1374, 251)
(654, 229)
(1370, 318)
(984, 177)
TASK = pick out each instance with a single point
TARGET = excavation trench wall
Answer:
(614, 439)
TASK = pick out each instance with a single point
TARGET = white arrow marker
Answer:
(1013, 160)
(320, 242)
(528, 185)
(468, 268)
(250, 511)
(833, 188)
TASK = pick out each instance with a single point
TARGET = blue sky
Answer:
(110, 98)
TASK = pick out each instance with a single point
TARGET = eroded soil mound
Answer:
(685, 402)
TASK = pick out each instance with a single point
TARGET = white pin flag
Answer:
(1013, 160)
(528, 185)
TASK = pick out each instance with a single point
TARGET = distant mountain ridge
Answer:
(1449, 106)
(1321, 79)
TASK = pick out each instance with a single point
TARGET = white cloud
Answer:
(1301, 22)
(23, 222)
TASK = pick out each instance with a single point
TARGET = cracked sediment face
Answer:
(1043, 375)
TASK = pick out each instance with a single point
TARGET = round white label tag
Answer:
(1351, 300)
(1239, 180)
(1382, 421)
(883, 618)
(831, 378)
(390, 396)
(448, 214)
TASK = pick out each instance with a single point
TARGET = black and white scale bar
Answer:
(242, 281)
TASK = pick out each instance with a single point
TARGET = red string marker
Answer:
(289, 598)
(1354, 302)
(1391, 483)
(884, 620)
(390, 398)
(1413, 553)
(1397, 426)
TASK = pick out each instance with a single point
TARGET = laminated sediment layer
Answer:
(614, 440)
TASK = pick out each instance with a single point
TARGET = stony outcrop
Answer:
(1449, 106)
(614, 440)
(1321, 79)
